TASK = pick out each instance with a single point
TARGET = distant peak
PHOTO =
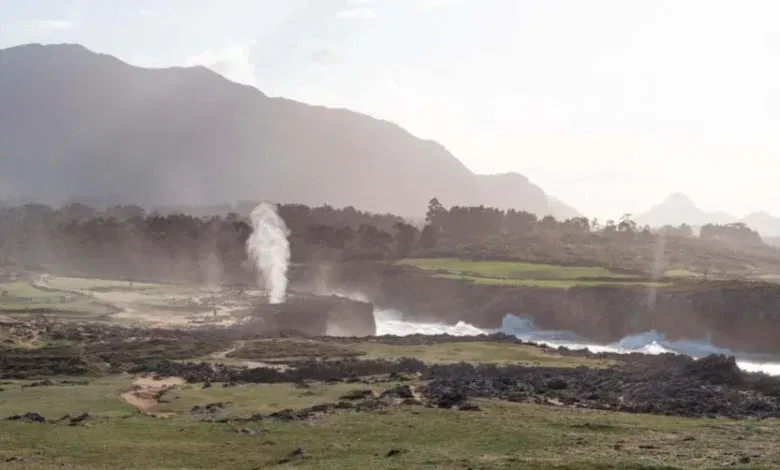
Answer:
(46, 47)
(508, 176)
(678, 199)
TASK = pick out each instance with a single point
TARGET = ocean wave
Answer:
(392, 322)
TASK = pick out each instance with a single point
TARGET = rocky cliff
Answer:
(742, 317)
(314, 315)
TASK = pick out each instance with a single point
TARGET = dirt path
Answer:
(221, 356)
(144, 394)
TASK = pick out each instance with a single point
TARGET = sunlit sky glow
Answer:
(609, 105)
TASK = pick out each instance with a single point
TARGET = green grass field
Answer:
(481, 352)
(501, 435)
(511, 269)
(81, 299)
(549, 283)
(25, 290)
(19, 297)
(510, 273)
(99, 285)
(446, 353)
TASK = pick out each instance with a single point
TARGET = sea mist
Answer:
(269, 249)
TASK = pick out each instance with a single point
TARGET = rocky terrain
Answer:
(313, 315)
(665, 384)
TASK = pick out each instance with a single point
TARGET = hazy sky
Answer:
(608, 105)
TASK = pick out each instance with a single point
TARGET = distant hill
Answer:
(679, 208)
(561, 210)
(765, 224)
(84, 126)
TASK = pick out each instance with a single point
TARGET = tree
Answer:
(428, 238)
(436, 212)
(578, 224)
(626, 225)
(405, 237)
(519, 222)
(548, 223)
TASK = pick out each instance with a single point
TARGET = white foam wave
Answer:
(390, 322)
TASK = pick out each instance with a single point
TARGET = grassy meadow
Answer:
(499, 435)
(512, 273)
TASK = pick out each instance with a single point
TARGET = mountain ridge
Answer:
(678, 208)
(84, 125)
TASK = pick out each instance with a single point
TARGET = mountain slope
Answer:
(764, 223)
(77, 124)
(680, 209)
(561, 210)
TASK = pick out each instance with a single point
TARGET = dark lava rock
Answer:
(371, 405)
(557, 384)
(357, 394)
(30, 416)
(336, 371)
(718, 370)
(247, 431)
(75, 382)
(35, 417)
(209, 408)
(76, 420)
(665, 384)
(290, 415)
(402, 391)
(411, 402)
(297, 453)
(396, 377)
(42, 383)
(469, 406)
(451, 399)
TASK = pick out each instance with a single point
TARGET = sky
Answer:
(608, 105)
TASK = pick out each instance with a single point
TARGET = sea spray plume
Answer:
(269, 249)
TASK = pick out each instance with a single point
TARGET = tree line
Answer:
(128, 241)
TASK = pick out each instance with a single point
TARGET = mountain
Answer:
(561, 210)
(765, 224)
(87, 126)
(680, 209)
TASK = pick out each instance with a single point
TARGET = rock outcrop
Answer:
(316, 315)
